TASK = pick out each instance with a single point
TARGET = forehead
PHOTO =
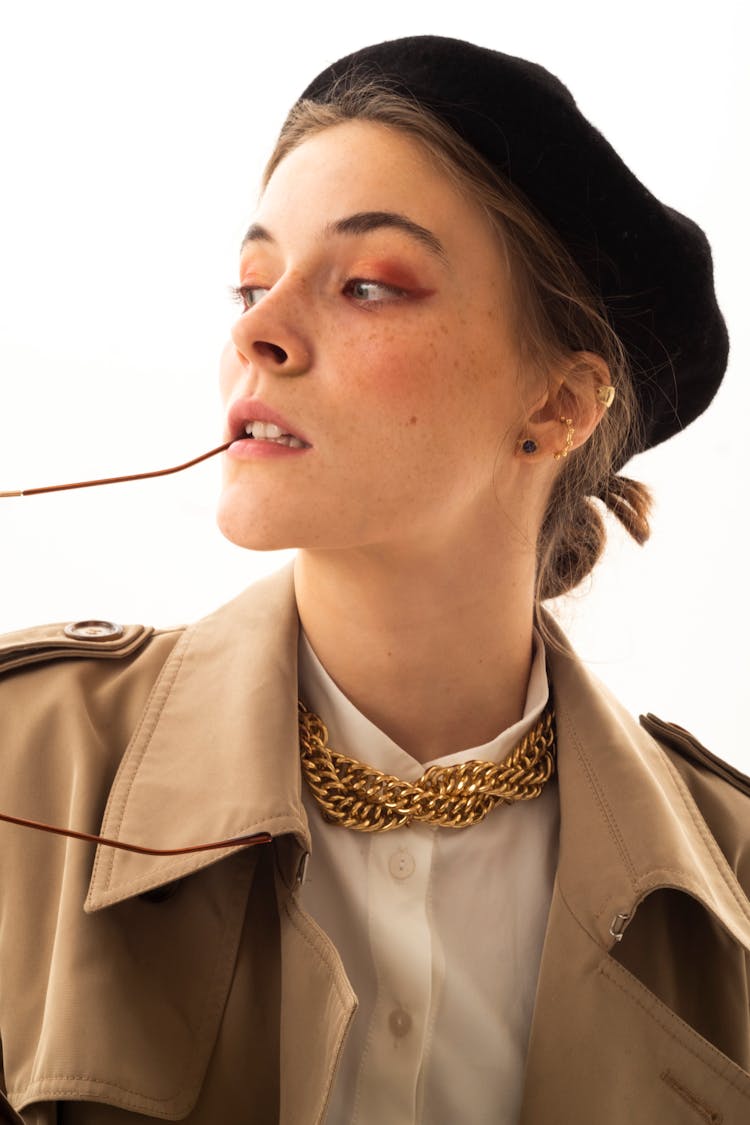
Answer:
(359, 166)
(385, 150)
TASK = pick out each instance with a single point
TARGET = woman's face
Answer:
(377, 330)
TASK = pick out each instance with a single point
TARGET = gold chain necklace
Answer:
(357, 796)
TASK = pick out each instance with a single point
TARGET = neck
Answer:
(435, 651)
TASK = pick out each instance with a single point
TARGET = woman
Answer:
(460, 315)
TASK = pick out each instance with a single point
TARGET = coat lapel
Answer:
(629, 823)
(601, 1043)
(215, 754)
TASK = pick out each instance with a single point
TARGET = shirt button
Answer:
(401, 864)
(399, 1022)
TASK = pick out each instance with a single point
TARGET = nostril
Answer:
(273, 350)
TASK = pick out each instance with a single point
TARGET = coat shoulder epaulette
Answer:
(88, 639)
(688, 747)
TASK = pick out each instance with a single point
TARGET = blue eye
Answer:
(248, 295)
(368, 291)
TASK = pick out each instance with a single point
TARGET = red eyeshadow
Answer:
(391, 273)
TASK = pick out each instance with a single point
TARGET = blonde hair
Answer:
(557, 314)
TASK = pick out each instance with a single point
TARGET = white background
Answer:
(133, 136)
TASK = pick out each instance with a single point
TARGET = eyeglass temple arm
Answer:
(233, 842)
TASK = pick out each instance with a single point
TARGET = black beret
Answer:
(651, 265)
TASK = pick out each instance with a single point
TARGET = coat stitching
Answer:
(593, 937)
(605, 809)
(712, 1116)
(215, 998)
(321, 946)
(152, 714)
(185, 865)
(730, 1079)
(162, 691)
(718, 857)
(597, 790)
(131, 763)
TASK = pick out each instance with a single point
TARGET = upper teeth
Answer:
(269, 431)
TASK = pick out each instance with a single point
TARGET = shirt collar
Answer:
(352, 733)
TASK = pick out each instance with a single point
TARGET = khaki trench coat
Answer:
(194, 988)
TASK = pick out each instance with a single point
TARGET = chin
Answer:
(253, 535)
(253, 538)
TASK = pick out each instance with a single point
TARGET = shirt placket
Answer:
(401, 942)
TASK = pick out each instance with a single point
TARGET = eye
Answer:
(247, 296)
(371, 291)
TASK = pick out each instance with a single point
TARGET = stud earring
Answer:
(561, 453)
(606, 395)
(527, 445)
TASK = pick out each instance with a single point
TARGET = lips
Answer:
(244, 411)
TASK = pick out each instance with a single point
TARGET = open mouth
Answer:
(268, 431)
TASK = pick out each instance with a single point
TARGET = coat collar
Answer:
(628, 823)
(216, 756)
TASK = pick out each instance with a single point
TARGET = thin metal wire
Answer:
(118, 480)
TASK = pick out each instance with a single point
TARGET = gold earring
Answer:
(606, 395)
(568, 439)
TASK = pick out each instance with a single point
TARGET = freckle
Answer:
(413, 420)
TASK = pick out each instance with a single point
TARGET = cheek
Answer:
(401, 375)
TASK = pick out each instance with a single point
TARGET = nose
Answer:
(269, 336)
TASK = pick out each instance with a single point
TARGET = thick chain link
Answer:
(357, 796)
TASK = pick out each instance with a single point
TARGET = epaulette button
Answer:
(93, 630)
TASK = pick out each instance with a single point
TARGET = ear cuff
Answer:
(605, 395)
(561, 453)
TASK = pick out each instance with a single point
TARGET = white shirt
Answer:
(440, 931)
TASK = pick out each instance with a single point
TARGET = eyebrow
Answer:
(362, 223)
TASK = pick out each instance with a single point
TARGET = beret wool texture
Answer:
(650, 265)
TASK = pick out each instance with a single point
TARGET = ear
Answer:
(569, 411)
